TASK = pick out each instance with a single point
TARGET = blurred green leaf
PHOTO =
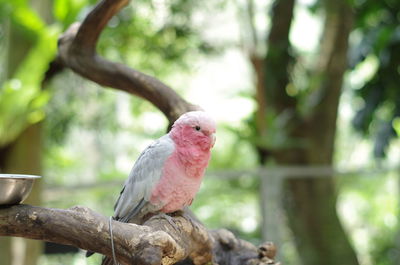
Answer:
(21, 98)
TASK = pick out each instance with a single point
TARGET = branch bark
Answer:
(155, 242)
(77, 51)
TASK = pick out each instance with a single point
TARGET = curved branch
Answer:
(77, 50)
(94, 23)
(155, 242)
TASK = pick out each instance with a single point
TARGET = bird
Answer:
(167, 174)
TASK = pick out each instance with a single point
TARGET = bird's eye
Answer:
(197, 128)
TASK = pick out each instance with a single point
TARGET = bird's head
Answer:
(194, 128)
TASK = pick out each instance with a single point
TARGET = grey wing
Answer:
(144, 176)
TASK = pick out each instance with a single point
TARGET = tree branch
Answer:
(77, 51)
(155, 242)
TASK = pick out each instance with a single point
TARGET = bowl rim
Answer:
(19, 176)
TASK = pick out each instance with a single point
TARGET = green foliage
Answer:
(232, 150)
(155, 43)
(373, 222)
(219, 195)
(70, 259)
(133, 37)
(21, 97)
(276, 136)
(67, 11)
(379, 37)
(155, 39)
(22, 14)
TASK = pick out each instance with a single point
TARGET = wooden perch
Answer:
(154, 242)
(77, 51)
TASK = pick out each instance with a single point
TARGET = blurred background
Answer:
(306, 96)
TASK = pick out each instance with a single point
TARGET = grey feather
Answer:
(133, 201)
(145, 174)
(133, 212)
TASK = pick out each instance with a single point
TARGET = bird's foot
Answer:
(196, 224)
(171, 221)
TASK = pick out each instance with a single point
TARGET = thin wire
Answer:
(112, 241)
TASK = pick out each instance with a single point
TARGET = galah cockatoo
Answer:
(168, 173)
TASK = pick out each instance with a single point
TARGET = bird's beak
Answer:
(213, 138)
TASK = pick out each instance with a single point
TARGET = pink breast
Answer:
(177, 186)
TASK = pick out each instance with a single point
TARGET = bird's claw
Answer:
(195, 223)
(171, 221)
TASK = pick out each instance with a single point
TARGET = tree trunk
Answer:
(310, 203)
(278, 59)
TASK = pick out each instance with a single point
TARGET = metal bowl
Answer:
(14, 188)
